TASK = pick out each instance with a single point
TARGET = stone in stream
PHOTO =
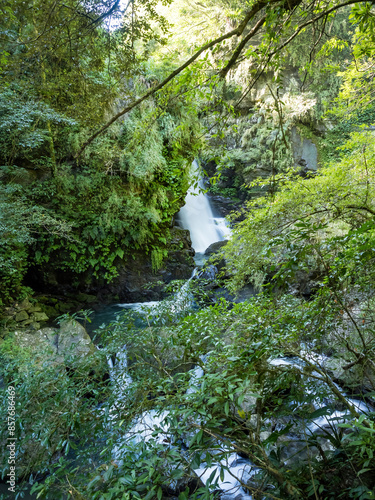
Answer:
(215, 247)
(208, 273)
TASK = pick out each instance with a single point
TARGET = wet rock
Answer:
(304, 151)
(208, 273)
(54, 306)
(248, 404)
(224, 205)
(296, 449)
(304, 284)
(245, 293)
(215, 247)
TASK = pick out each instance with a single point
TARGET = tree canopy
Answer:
(103, 107)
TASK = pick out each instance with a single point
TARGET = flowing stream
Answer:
(205, 229)
(196, 216)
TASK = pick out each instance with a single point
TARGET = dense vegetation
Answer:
(123, 192)
(102, 108)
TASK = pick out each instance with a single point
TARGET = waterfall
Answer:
(197, 216)
(227, 470)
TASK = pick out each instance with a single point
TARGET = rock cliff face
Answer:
(305, 152)
(266, 137)
(136, 281)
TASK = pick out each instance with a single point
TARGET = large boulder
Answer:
(57, 371)
(215, 247)
(357, 378)
(68, 343)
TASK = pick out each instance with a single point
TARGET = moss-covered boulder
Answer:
(67, 344)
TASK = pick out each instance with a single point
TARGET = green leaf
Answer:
(319, 413)
(226, 408)
(120, 252)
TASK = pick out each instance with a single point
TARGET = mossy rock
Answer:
(39, 316)
(35, 308)
(47, 300)
(25, 304)
(69, 343)
(65, 307)
(50, 311)
(86, 298)
(21, 316)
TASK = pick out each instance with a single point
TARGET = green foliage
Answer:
(120, 197)
(20, 220)
(65, 400)
(58, 82)
(313, 211)
(88, 217)
(217, 189)
(75, 62)
(356, 92)
(23, 126)
(361, 441)
(330, 146)
(198, 421)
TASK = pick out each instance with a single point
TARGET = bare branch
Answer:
(248, 37)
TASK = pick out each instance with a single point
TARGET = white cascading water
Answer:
(205, 229)
(197, 216)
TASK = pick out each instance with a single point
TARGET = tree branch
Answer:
(108, 13)
(311, 21)
(223, 73)
(365, 209)
(237, 31)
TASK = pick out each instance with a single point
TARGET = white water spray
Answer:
(197, 216)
